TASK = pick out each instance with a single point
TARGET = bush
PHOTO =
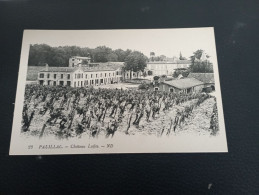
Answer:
(179, 71)
(156, 78)
(208, 90)
(143, 86)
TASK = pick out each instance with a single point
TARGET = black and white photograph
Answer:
(118, 91)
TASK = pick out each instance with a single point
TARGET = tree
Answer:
(181, 71)
(196, 55)
(122, 54)
(200, 66)
(152, 55)
(100, 54)
(156, 78)
(41, 54)
(149, 73)
(136, 61)
(112, 57)
(162, 57)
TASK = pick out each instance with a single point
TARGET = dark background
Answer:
(235, 172)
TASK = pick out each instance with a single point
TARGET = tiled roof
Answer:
(183, 61)
(171, 62)
(58, 69)
(108, 66)
(184, 83)
(72, 69)
(203, 77)
(79, 57)
(105, 66)
(97, 69)
(112, 65)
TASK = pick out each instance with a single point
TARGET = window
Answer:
(96, 76)
(91, 75)
(68, 76)
(86, 76)
(41, 75)
(81, 83)
(48, 76)
(78, 83)
(61, 76)
(68, 83)
(105, 75)
(109, 74)
(86, 82)
(55, 76)
(113, 74)
(75, 76)
(82, 76)
(117, 72)
(73, 59)
(101, 75)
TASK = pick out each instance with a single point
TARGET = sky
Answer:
(168, 42)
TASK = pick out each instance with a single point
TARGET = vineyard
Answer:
(65, 112)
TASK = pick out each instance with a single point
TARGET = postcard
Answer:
(118, 91)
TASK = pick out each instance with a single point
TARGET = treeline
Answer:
(40, 54)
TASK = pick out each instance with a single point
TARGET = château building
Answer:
(166, 66)
(79, 76)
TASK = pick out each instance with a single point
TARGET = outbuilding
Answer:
(206, 78)
(186, 85)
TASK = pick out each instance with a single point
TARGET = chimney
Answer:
(47, 67)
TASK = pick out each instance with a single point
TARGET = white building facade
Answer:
(166, 67)
(78, 77)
